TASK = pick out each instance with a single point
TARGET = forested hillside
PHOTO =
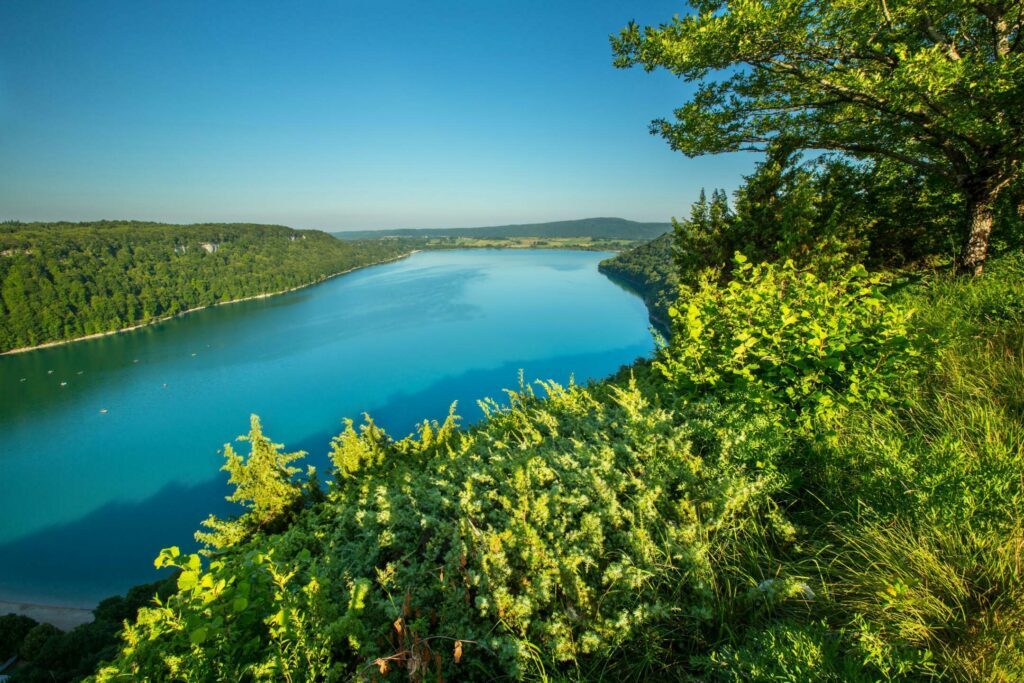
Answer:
(66, 280)
(650, 269)
(597, 228)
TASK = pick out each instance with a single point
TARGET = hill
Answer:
(61, 281)
(650, 270)
(598, 228)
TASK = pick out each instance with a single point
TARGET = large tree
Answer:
(937, 85)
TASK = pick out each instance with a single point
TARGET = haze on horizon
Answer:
(336, 115)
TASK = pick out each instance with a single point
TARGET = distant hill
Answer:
(606, 228)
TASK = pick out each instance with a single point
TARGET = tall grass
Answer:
(922, 508)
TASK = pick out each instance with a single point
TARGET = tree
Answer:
(264, 486)
(937, 85)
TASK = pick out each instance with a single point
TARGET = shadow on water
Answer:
(112, 548)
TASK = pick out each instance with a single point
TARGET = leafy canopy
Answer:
(936, 85)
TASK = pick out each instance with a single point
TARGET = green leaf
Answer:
(166, 557)
(187, 581)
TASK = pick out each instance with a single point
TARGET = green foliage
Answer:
(784, 339)
(807, 483)
(264, 486)
(650, 270)
(784, 651)
(49, 654)
(653, 526)
(65, 280)
(13, 629)
(932, 86)
(37, 639)
(548, 525)
(929, 564)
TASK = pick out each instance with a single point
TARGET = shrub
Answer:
(788, 341)
(36, 639)
(13, 629)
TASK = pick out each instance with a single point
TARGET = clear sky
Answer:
(336, 115)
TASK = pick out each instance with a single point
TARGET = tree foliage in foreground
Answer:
(825, 214)
(937, 86)
(65, 280)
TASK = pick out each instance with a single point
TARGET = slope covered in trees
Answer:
(650, 270)
(597, 228)
(66, 280)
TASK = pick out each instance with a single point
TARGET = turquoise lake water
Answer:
(88, 498)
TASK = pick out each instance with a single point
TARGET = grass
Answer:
(921, 508)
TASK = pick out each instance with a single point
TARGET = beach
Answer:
(64, 618)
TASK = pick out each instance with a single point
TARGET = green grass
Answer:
(927, 534)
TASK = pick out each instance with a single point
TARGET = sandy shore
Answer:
(155, 321)
(64, 618)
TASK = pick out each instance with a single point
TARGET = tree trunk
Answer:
(980, 206)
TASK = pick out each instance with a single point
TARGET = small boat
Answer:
(24, 379)
(49, 372)
(103, 411)
(63, 384)
(80, 372)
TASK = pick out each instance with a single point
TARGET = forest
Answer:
(60, 281)
(817, 477)
(650, 270)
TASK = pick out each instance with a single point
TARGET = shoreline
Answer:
(179, 314)
(64, 618)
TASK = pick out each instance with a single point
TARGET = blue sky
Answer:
(336, 115)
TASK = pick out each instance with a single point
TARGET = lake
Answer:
(110, 448)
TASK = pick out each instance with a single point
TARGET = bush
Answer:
(787, 341)
(36, 640)
(13, 629)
